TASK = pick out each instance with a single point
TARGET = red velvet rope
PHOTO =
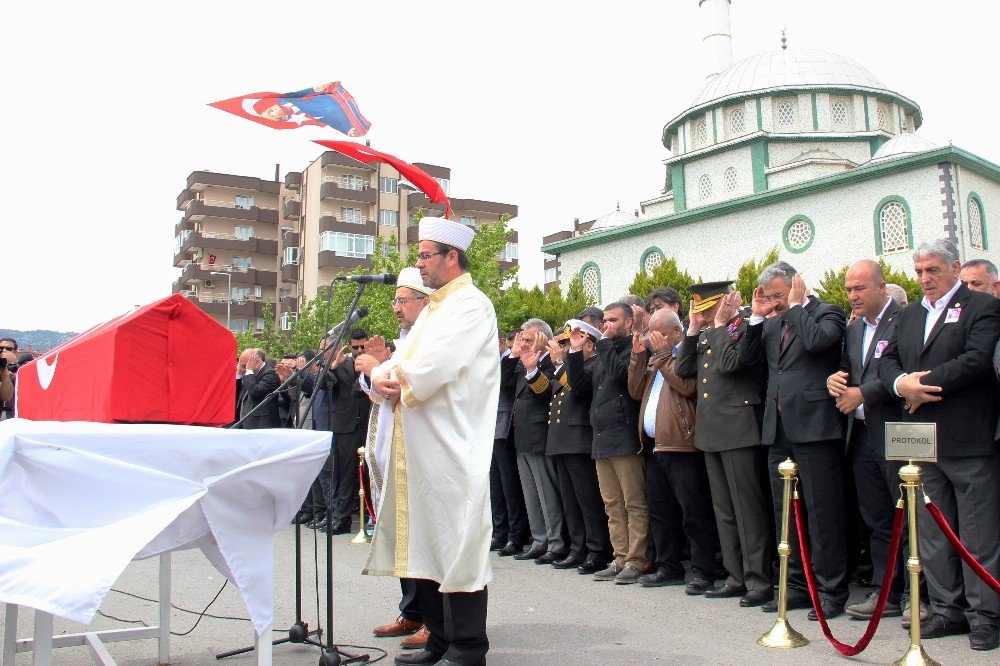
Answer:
(361, 482)
(883, 595)
(960, 548)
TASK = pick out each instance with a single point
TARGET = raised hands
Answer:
(376, 348)
(728, 307)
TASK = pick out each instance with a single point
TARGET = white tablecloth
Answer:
(78, 501)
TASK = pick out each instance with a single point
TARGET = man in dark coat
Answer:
(729, 415)
(510, 518)
(256, 384)
(801, 344)
(938, 362)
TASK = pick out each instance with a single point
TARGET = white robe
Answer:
(435, 520)
(379, 440)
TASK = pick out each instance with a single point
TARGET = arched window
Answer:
(590, 274)
(977, 223)
(700, 134)
(737, 121)
(798, 234)
(893, 225)
(705, 187)
(786, 113)
(729, 178)
(651, 258)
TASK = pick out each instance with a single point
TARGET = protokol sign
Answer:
(911, 441)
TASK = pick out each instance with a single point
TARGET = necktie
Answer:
(786, 330)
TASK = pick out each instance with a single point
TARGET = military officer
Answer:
(729, 416)
(569, 443)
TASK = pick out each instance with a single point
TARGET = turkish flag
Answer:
(167, 362)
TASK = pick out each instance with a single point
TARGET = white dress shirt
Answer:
(866, 343)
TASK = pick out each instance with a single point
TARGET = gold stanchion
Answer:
(915, 655)
(362, 536)
(781, 635)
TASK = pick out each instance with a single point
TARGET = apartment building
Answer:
(284, 241)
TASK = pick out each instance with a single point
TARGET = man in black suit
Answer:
(938, 362)
(258, 381)
(802, 345)
(568, 444)
(867, 405)
(510, 518)
(539, 479)
(349, 425)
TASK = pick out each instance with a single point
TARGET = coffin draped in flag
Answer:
(166, 362)
(327, 105)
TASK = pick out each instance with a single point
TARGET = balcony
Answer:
(291, 210)
(293, 180)
(184, 225)
(329, 259)
(215, 304)
(289, 273)
(333, 158)
(199, 210)
(183, 198)
(332, 223)
(240, 275)
(239, 244)
(199, 180)
(332, 190)
(419, 200)
(290, 304)
(412, 234)
(479, 206)
(291, 238)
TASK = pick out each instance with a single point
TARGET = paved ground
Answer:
(537, 616)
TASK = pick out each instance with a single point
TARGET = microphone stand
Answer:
(299, 632)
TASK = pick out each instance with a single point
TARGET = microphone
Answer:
(358, 314)
(381, 278)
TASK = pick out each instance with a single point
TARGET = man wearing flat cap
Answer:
(729, 415)
(444, 384)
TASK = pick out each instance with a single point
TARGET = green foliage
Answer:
(831, 289)
(517, 305)
(746, 277)
(667, 274)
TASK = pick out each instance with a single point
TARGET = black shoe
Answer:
(660, 578)
(726, 591)
(795, 601)
(938, 625)
(698, 585)
(510, 548)
(829, 608)
(755, 598)
(497, 543)
(302, 518)
(418, 657)
(571, 562)
(342, 527)
(984, 637)
(592, 566)
(549, 558)
(531, 554)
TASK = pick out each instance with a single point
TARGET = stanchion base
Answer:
(915, 656)
(360, 538)
(782, 635)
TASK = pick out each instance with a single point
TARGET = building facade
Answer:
(244, 241)
(802, 150)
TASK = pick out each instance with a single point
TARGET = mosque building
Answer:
(802, 150)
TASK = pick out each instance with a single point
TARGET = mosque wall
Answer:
(783, 152)
(801, 174)
(842, 220)
(988, 192)
(715, 166)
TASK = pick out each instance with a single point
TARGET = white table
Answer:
(79, 501)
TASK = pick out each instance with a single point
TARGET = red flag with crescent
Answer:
(420, 178)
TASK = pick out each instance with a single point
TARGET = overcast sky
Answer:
(554, 106)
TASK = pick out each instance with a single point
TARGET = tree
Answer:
(914, 293)
(666, 274)
(746, 276)
(517, 305)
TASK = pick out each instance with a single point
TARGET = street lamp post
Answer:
(229, 296)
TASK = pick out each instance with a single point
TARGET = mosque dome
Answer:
(615, 218)
(901, 146)
(787, 68)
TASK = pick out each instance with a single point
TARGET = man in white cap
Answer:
(411, 298)
(444, 384)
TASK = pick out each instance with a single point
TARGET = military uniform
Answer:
(569, 444)
(729, 418)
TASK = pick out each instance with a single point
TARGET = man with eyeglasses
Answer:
(443, 384)
(8, 366)
(801, 344)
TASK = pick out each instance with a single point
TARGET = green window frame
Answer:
(877, 219)
(651, 250)
(975, 199)
(583, 271)
(788, 241)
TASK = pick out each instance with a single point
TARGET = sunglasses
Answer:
(357, 347)
(10, 349)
